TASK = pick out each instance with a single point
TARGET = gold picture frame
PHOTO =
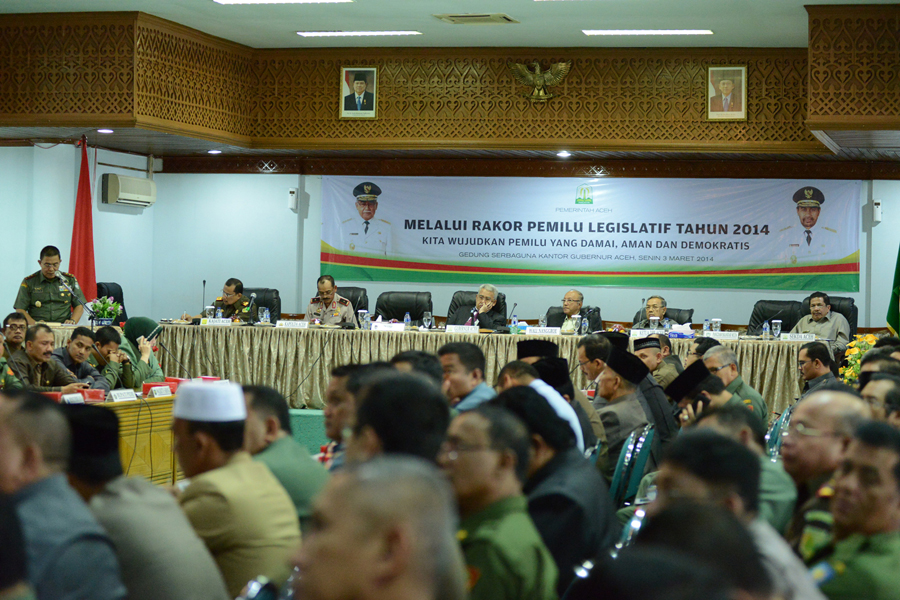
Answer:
(726, 95)
(356, 103)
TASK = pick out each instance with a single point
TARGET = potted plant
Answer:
(105, 310)
(854, 353)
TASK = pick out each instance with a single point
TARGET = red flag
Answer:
(81, 256)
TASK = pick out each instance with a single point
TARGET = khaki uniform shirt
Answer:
(339, 311)
(48, 376)
(665, 374)
(750, 397)
(239, 310)
(860, 567)
(833, 326)
(47, 299)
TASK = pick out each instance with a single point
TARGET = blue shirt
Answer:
(69, 555)
(481, 394)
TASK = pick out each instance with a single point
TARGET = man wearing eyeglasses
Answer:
(572, 306)
(482, 313)
(656, 307)
(366, 234)
(50, 295)
(14, 326)
(813, 445)
(722, 362)
(234, 304)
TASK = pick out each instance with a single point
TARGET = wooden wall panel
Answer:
(854, 62)
(67, 68)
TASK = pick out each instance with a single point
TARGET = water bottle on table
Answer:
(514, 324)
(765, 330)
(367, 323)
(219, 313)
(585, 325)
(705, 326)
(406, 320)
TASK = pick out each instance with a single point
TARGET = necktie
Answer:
(808, 237)
(367, 226)
(471, 319)
(726, 102)
(358, 103)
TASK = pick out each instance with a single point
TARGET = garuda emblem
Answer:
(539, 80)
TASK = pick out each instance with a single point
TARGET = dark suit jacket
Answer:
(489, 320)
(715, 103)
(571, 509)
(368, 101)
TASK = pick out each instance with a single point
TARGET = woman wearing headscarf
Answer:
(137, 345)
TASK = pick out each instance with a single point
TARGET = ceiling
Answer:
(735, 23)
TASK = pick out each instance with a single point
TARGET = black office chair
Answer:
(841, 304)
(679, 315)
(556, 316)
(267, 298)
(462, 299)
(789, 311)
(395, 305)
(358, 297)
(114, 291)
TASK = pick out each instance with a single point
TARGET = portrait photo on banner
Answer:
(359, 93)
(726, 93)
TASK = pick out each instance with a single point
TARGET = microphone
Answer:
(183, 368)
(511, 313)
(643, 303)
(252, 300)
(775, 315)
(204, 294)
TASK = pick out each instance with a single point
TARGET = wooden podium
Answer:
(145, 438)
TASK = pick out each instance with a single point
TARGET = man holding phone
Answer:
(696, 389)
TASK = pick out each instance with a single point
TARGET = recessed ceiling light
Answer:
(354, 33)
(647, 31)
(564, 154)
(214, 152)
(104, 131)
(280, 1)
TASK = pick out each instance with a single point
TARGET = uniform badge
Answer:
(38, 304)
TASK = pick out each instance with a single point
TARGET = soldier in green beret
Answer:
(50, 295)
(864, 557)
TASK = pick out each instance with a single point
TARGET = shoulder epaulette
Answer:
(246, 303)
(385, 222)
(346, 221)
(219, 299)
(314, 300)
(344, 301)
(33, 275)
(67, 274)
(829, 229)
(785, 228)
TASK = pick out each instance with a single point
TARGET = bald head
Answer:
(821, 427)
(401, 507)
(34, 439)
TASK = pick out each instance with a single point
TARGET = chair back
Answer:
(394, 305)
(766, 310)
(358, 297)
(679, 315)
(267, 298)
(630, 465)
(114, 291)
(463, 298)
(841, 304)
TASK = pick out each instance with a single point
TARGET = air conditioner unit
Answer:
(131, 191)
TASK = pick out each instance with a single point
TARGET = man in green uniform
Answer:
(8, 379)
(48, 294)
(268, 437)
(486, 457)
(722, 362)
(14, 327)
(234, 304)
(112, 363)
(328, 307)
(697, 386)
(863, 560)
(37, 368)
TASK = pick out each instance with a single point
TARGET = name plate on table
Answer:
(721, 335)
(642, 333)
(293, 324)
(798, 337)
(72, 399)
(388, 326)
(218, 322)
(462, 328)
(122, 395)
(543, 330)
(160, 391)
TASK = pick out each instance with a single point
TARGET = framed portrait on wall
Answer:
(726, 93)
(359, 92)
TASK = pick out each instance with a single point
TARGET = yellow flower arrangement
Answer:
(855, 351)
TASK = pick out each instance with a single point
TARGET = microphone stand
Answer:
(91, 314)
(204, 294)
(252, 302)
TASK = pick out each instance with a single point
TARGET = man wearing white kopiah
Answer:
(806, 242)
(366, 234)
(235, 505)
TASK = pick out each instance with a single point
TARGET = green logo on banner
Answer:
(585, 195)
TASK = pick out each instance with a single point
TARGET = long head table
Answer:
(297, 362)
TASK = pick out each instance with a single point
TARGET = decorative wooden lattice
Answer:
(854, 58)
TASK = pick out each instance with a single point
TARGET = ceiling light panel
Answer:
(647, 31)
(354, 33)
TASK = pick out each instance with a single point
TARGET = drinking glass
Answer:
(426, 320)
(210, 312)
(776, 328)
(717, 324)
(577, 327)
(654, 323)
(542, 321)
